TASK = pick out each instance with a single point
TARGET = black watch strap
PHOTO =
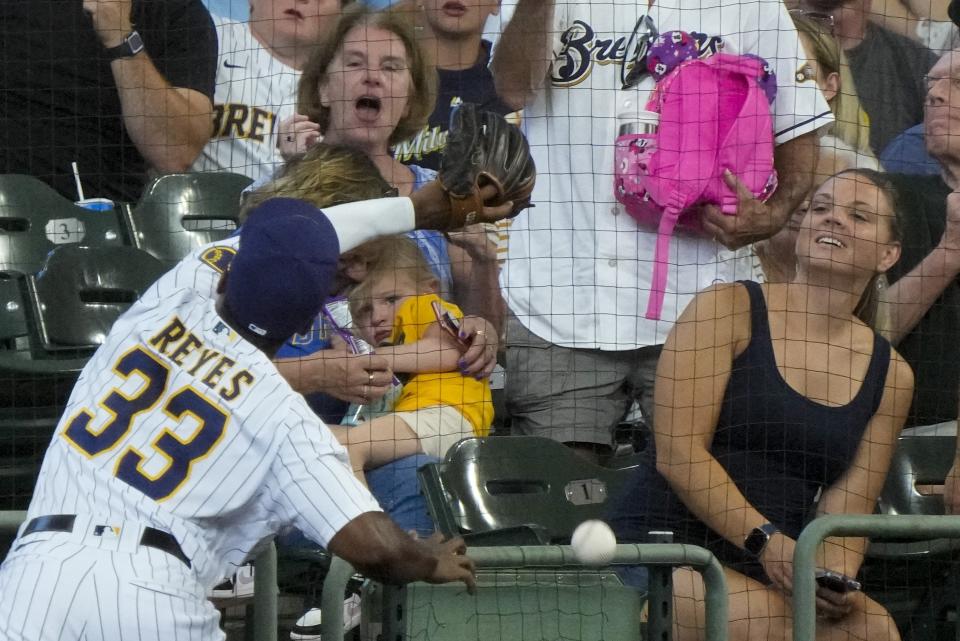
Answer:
(758, 538)
(131, 46)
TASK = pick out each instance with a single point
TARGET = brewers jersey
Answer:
(255, 91)
(579, 269)
(178, 424)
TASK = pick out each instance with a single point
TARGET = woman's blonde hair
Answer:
(393, 257)
(851, 123)
(422, 99)
(326, 175)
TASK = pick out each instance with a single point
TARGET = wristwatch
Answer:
(131, 46)
(758, 538)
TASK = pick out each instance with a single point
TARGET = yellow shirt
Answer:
(468, 395)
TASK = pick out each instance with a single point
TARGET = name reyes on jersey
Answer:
(214, 369)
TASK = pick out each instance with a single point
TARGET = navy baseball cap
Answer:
(953, 10)
(284, 268)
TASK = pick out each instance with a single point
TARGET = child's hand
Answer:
(482, 342)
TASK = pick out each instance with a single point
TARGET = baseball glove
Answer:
(484, 149)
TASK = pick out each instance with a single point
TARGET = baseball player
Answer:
(182, 448)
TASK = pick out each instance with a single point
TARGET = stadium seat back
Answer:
(496, 484)
(917, 462)
(82, 290)
(13, 322)
(179, 212)
(35, 219)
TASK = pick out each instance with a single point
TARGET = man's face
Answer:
(293, 21)
(941, 116)
(453, 18)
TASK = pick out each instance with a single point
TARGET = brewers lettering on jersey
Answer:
(182, 448)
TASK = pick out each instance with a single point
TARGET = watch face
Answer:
(135, 42)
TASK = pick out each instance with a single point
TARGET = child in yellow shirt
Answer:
(393, 309)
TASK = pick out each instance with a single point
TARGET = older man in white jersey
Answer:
(258, 68)
(578, 267)
(182, 447)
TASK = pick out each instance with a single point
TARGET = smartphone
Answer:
(447, 321)
(837, 582)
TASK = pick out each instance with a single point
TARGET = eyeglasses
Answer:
(825, 20)
(638, 45)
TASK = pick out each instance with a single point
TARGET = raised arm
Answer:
(857, 490)
(523, 54)
(912, 295)
(437, 351)
(168, 124)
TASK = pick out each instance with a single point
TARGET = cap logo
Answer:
(259, 331)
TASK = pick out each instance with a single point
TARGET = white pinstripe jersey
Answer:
(178, 423)
(255, 91)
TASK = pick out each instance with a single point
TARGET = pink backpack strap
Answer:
(686, 158)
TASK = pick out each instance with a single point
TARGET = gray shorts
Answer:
(573, 395)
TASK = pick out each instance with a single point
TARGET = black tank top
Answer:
(779, 447)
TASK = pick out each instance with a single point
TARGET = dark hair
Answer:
(422, 76)
(868, 306)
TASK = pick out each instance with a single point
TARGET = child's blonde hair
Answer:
(392, 257)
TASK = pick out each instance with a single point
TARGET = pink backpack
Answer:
(714, 115)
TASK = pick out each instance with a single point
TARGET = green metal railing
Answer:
(265, 581)
(559, 556)
(880, 526)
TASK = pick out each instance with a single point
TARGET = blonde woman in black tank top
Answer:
(770, 398)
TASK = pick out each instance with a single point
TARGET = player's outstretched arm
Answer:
(379, 549)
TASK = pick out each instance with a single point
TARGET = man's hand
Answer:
(111, 20)
(753, 221)
(482, 342)
(951, 231)
(452, 562)
(951, 490)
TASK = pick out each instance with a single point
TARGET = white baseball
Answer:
(594, 543)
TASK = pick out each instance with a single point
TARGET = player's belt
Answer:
(151, 537)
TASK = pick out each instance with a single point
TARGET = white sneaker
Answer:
(239, 586)
(307, 627)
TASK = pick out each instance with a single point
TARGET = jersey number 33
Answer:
(179, 454)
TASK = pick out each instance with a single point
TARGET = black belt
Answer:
(151, 537)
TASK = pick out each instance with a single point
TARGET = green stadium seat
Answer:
(179, 212)
(13, 322)
(82, 290)
(67, 308)
(914, 579)
(516, 490)
(35, 219)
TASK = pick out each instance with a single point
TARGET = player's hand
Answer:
(951, 490)
(480, 337)
(754, 220)
(296, 134)
(777, 561)
(453, 564)
(432, 209)
(111, 20)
